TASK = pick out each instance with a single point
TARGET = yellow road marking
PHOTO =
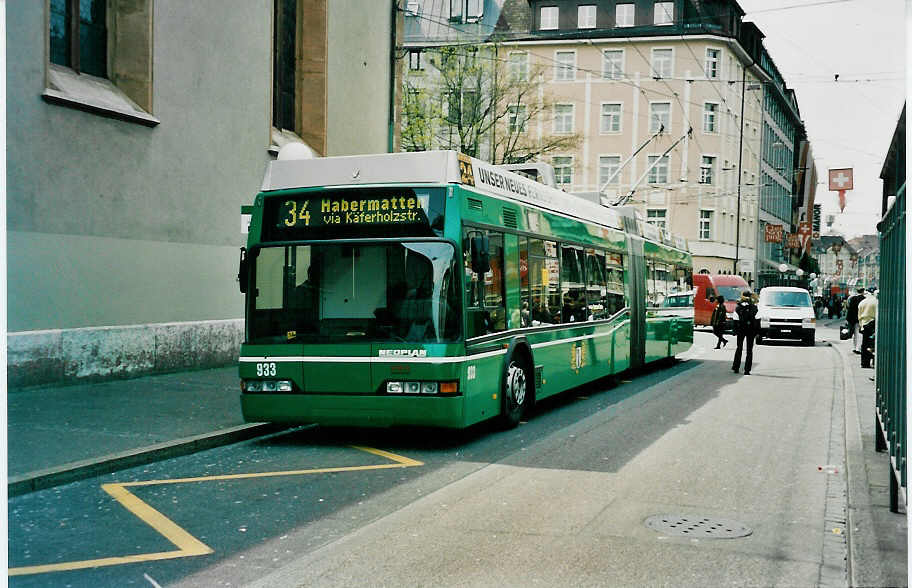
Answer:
(187, 544)
(183, 540)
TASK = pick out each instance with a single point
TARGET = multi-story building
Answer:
(835, 259)
(865, 263)
(787, 176)
(676, 105)
(136, 130)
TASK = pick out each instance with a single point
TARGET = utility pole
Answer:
(740, 156)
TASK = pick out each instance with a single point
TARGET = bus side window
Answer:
(616, 299)
(485, 308)
(544, 283)
(596, 284)
(573, 284)
(525, 308)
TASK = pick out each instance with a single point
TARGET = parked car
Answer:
(786, 313)
(708, 286)
(678, 304)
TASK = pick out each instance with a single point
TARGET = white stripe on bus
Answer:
(315, 359)
(458, 359)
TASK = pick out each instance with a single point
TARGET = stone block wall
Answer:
(67, 356)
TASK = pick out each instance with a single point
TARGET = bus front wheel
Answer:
(515, 396)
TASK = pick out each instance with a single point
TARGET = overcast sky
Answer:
(849, 122)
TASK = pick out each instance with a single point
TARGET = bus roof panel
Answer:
(427, 167)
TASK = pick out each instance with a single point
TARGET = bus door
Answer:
(636, 291)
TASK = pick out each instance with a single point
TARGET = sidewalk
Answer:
(878, 538)
(57, 434)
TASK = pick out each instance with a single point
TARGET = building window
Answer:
(585, 17)
(415, 61)
(563, 170)
(548, 20)
(474, 10)
(519, 65)
(659, 173)
(706, 217)
(711, 66)
(707, 169)
(412, 8)
(79, 35)
(563, 119)
(607, 167)
(664, 13)
(656, 216)
(283, 73)
(613, 64)
(611, 118)
(120, 85)
(517, 118)
(709, 117)
(662, 63)
(466, 10)
(659, 116)
(564, 66)
(624, 15)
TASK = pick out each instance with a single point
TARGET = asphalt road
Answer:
(559, 501)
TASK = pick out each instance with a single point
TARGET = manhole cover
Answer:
(697, 527)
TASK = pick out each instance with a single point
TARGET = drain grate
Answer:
(697, 527)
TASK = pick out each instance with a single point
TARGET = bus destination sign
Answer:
(355, 214)
(392, 210)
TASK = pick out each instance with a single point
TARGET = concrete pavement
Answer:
(878, 539)
(60, 434)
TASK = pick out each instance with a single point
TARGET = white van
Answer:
(786, 313)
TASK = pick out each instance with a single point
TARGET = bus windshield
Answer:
(337, 293)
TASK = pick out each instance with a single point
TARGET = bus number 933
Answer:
(266, 369)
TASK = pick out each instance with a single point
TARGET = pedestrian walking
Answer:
(746, 329)
(717, 321)
(852, 316)
(867, 321)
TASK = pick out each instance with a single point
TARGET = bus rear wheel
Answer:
(515, 394)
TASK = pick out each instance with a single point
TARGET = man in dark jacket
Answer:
(852, 316)
(746, 329)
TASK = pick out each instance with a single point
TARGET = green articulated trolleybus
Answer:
(435, 289)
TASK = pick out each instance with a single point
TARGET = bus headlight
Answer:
(268, 386)
(764, 323)
(808, 322)
(423, 388)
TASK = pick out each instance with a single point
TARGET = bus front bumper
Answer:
(354, 411)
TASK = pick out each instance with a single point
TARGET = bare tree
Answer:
(483, 107)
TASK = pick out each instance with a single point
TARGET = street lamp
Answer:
(783, 267)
